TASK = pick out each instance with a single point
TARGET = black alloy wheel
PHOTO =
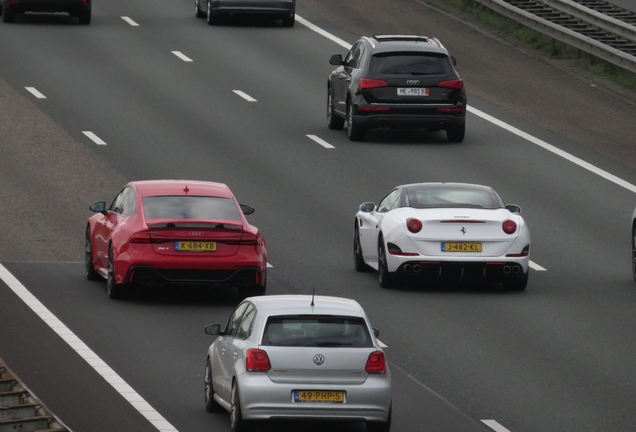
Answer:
(91, 274)
(212, 19)
(384, 276)
(354, 131)
(210, 404)
(197, 9)
(333, 121)
(7, 15)
(289, 21)
(358, 260)
(115, 291)
(84, 17)
(456, 134)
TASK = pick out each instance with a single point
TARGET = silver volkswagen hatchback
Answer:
(298, 357)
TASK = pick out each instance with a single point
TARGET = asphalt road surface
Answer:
(83, 109)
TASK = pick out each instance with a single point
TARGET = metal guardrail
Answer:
(570, 37)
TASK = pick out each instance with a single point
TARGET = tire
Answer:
(380, 426)
(384, 275)
(210, 404)
(84, 18)
(115, 291)
(237, 424)
(7, 15)
(358, 260)
(288, 21)
(333, 121)
(251, 291)
(634, 252)
(197, 10)
(517, 285)
(354, 131)
(211, 18)
(91, 274)
(456, 134)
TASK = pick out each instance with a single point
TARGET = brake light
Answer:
(140, 238)
(454, 109)
(509, 226)
(257, 360)
(372, 108)
(414, 225)
(368, 83)
(376, 363)
(455, 84)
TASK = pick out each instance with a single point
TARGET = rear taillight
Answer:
(140, 238)
(376, 364)
(509, 226)
(450, 109)
(368, 83)
(257, 360)
(373, 108)
(455, 84)
(414, 225)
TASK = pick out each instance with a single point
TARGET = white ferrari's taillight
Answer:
(509, 226)
(414, 225)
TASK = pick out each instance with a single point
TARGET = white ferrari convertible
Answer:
(443, 232)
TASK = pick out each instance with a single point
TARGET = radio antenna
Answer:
(312, 296)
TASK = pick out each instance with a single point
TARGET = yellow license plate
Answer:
(191, 246)
(318, 396)
(461, 247)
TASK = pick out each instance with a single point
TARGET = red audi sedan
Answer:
(175, 232)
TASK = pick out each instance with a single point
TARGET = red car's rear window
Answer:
(190, 207)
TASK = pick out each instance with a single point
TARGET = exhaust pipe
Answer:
(516, 269)
(417, 268)
(407, 268)
(507, 269)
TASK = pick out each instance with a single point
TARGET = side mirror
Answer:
(213, 329)
(98, 207)
(376, 332)
(246, 209)
(453, 60)
(336, 59)
(513, 208)
(367, 207)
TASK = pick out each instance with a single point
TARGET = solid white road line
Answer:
(244, 96)
(320, 141)
(533, 265)
(97, 140)
(86, 353)
(130, 21)
(494, 426)
(182, 56)
(495, 121)
(35, 93)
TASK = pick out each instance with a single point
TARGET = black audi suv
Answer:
(396, 81)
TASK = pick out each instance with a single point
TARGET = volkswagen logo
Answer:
(413, 82)
(319, 359)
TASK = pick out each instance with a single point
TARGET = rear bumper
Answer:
(254, 7)
(146, 275)
(20, 6)
(491, 271)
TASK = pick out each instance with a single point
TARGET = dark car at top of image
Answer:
(396, 81)
(75, 8)
(216, 10)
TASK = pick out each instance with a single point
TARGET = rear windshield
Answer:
(410, 64)
(314, 331)
(452, 198)
(190, 207)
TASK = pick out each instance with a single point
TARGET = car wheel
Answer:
(380, 426)
(210, 404)
(197, 10)
(517, 285)
(456, 134)
(237, 424)
(212, 19)
(384, 276)
(115, 291)
(7, 15)
(358, 260)
(333, 121)
(354, 130)
(84, 17)
(634, 252)
(288, 21)
(91, 274)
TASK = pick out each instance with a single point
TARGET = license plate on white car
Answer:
(412, 91)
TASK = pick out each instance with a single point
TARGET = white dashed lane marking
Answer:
(35, 93)
(244, 96)
(130, 21)
(535, 266)
(182, 56)
(97, 140)
(320, 141)
(495, 426)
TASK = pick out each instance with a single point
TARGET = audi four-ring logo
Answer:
(319, 359)
(413, 82)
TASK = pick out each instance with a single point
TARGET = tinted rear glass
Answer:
(452, 198)
(190, 207)
(410, 64)
(311, 331)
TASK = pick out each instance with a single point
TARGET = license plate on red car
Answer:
(319, 396)
(412, 91)
(192, 246)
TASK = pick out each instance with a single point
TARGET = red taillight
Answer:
(376, 364)
(372, 108)
(140, 238)
(257, 360)
(414, 225)
(453, 109)
(367, 83)
(509, 226)
(455, 84)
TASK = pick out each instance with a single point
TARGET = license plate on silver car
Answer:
(412, 91)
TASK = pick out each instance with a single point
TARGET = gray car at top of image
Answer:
(216, 10)
(298, 357)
